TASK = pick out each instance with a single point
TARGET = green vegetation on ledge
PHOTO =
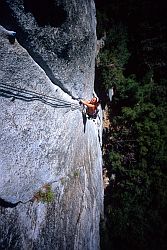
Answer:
(45, 194)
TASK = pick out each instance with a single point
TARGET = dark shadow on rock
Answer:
(7, 204)
(64, 52)
(11, 39)
(84, 121)
(46, 12)
(9, 22)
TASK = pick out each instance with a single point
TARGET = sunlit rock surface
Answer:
(61, 38)
(44, 140)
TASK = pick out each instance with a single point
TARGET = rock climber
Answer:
(91, 106)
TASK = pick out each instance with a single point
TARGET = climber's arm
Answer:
(87, 103)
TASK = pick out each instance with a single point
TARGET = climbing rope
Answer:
(28, 95)
(9, 91)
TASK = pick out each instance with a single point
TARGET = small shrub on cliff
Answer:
(45, 194)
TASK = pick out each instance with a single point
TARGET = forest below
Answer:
(133, 61)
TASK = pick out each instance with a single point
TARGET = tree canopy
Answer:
(133, 61)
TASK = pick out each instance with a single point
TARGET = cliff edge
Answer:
(51, 191)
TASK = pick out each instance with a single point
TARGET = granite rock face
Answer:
(65, 49)
(51, 191)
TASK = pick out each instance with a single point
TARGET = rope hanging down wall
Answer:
(9, 91)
